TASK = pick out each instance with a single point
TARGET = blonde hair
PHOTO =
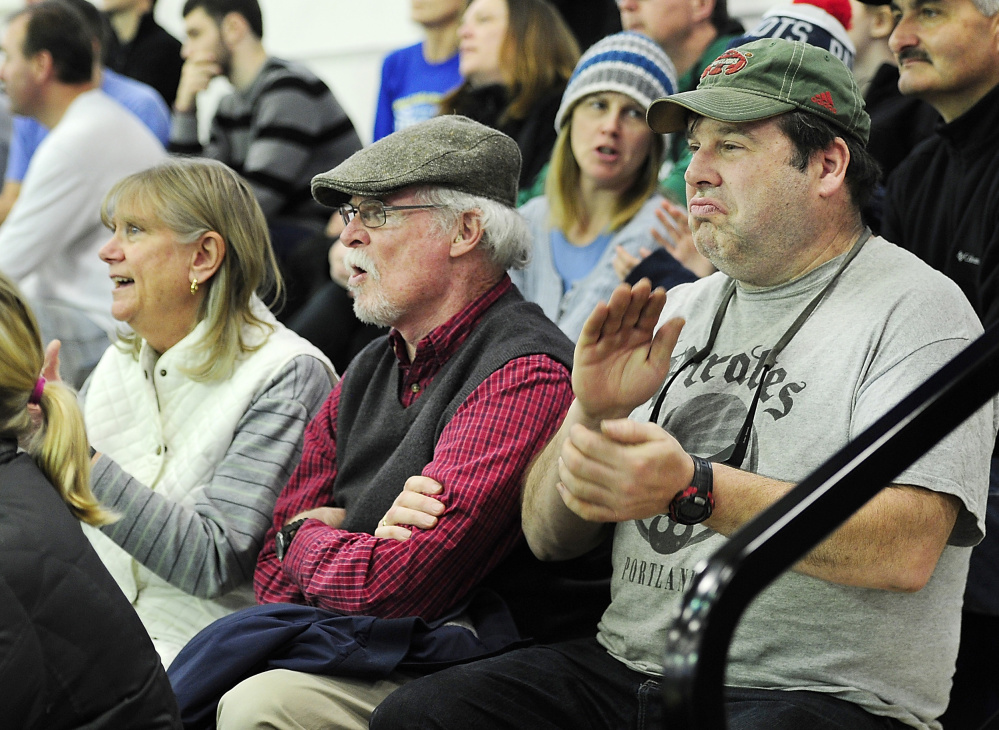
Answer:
(190, 197)
(59, 445)
(562, 182)
(541, 51)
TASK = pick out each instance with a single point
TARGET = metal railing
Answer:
(699, 639)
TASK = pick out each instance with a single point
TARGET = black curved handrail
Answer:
(698, 639)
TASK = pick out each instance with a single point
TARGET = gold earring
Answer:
(194, 287)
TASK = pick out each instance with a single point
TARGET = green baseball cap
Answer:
(765, 78)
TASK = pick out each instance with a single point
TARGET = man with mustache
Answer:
(467, 387)
(737, 388)
(942, 203)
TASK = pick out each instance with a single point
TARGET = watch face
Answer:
(691, 510)
(284, 537)
(690, 506)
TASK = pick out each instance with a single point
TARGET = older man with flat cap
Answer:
(737, 388)
(454, 402)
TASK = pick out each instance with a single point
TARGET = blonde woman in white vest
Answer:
(197, 415)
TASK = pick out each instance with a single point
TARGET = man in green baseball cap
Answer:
(775, 100)
(693, 415)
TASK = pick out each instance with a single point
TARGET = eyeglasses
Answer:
(735, 454)
(373, 211)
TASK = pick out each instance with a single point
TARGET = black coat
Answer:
(73, 653)
(942, 204)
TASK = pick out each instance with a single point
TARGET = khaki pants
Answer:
(285, 700)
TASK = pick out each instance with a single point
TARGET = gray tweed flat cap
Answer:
(451, 151)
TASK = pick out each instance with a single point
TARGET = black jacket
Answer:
(152, 57)
(73, 653)
(942, 204)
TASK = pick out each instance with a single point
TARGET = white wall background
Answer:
(343, 41)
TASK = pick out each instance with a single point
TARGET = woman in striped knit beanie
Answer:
(600, 193)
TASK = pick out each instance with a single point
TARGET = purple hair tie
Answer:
(36, 395)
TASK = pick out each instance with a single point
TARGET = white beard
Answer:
(376, 309)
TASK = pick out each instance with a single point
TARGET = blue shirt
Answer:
(575, 262)
(411, 89)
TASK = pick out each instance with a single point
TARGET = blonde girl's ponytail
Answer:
(58, 444)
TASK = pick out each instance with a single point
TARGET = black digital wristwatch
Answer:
(694, 504)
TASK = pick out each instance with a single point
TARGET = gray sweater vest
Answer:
(380, 444)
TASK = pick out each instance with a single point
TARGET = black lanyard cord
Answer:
(771, 358)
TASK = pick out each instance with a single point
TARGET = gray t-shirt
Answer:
(888, 323)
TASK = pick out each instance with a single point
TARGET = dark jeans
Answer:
(577, 684)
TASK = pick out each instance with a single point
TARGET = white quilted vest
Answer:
(170, 432)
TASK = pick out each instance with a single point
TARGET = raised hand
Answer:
(625, 262)
(50, 365)
(338, 269)
(621, 359)
(195, 75)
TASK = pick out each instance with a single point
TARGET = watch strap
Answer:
(284, 537)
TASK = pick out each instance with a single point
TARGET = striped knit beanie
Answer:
(629, 63)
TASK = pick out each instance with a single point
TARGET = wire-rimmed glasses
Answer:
(373, 211)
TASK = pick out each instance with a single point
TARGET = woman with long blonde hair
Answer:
(601, 190)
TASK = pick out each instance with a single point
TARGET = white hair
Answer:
(988, 8)
(506, 234)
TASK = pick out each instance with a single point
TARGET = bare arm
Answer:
(620, 361)
(892, 543)
(553, 531)
(632, 470)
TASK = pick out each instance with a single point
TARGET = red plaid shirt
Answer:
(480, 459)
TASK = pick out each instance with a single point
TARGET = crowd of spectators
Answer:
(297, 432)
